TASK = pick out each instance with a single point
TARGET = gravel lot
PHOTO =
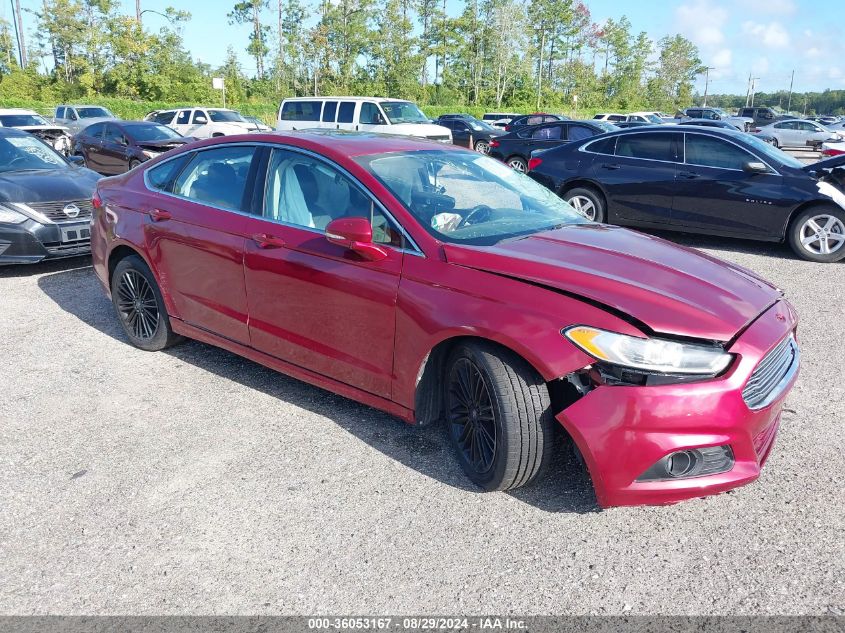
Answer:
(195, 482)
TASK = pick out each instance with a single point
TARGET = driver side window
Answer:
(370, 114)
(306, 192)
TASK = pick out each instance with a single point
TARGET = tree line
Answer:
(501, 54)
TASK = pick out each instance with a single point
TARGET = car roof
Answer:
(17, 111)
(339, 143)
(345, 98)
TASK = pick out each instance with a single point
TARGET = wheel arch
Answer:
(428, 394)
(804, 206)
(123, 250)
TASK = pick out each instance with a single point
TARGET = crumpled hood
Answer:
(671, 289)
(43, 128)
(48, 185)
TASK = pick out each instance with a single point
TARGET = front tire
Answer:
(133, 164)
(140, 307)
(498, 415)
(587, 202)
(818, 234)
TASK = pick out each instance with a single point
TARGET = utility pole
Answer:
(138, 11)
(748, 90)
(707, 70)
(753, 89)
(789, 101)
(16, 16)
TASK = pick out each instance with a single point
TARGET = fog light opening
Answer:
(696, 462)
(682, 463)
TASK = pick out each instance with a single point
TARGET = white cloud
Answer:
(782, 7)
(702, 22)
(722, 58)
(760, 66)
(772, 35)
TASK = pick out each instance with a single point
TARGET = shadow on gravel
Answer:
(565, 487)
(45, 267)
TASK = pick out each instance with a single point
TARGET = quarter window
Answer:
(606, 146)
(301, 111)
(114, 135)
(648, 146)
(713, 152)
(306, 192)
(217, 177)
(161, 176)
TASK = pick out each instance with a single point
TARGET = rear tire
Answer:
(498, 416)
(482, 147)
(140, 307)
(518, 164)
(133, 164)
(818, 234)
(587, 202)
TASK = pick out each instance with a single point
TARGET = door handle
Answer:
(267, 241)
(158, 215)
(688, 175)
(609, 166)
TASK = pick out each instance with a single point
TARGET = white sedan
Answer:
(798, 133)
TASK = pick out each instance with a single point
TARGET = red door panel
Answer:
(320, 306)
(198, 253)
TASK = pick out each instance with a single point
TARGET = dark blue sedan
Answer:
(701, 180)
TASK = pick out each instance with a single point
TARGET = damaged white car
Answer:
(56, 136)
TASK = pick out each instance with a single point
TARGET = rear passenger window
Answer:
(648, 146)
(713, 152)
(301, 111)
(217, 177)
(184, 117)
(346, 112)
(329, 111)
(163, 117)
(548, 133)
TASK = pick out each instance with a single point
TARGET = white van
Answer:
(363, 114)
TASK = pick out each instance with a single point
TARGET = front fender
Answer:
(439, 301)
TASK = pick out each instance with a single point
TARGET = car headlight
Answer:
(648, 354)
(10, 216)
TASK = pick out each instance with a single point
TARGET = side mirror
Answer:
(200, 119)
(754, 167)
(356, 234)
(79, 161)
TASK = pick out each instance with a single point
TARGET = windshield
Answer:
(721, 112)
(653, 118)
(469, 198)
(225, 116)
(772, 152)
(21, 120)
(146, 133)
(403, 112)
(480, 126)
(24, 153)
(607, 127)
(94, 113)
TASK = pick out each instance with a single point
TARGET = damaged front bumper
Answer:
(623, 431)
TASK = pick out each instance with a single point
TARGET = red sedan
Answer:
(437, 284)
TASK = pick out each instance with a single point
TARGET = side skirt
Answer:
(294, 371)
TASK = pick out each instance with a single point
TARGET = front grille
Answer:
(54, 211)
(771, 376)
